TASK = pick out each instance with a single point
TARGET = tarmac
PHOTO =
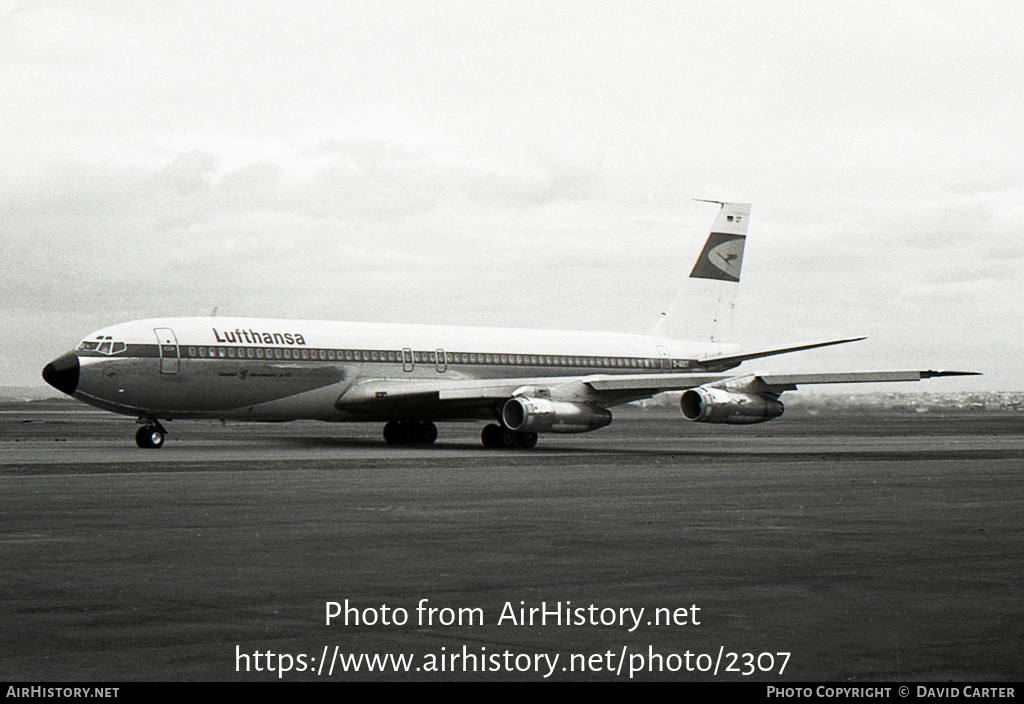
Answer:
(886, 547)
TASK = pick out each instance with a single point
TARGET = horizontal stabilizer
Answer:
(730, 361)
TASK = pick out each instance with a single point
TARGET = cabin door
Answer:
(666, 362)
(168, 345)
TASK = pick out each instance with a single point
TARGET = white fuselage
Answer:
(275, 369)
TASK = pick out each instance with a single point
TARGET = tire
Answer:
(526, 440)
(149, 437)
(393, 432)
(509, 439)
(403, 432)
(490, 436)
(426, 433)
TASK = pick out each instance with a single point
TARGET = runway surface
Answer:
(886, 547)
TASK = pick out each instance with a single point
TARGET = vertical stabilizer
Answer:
(704, 306)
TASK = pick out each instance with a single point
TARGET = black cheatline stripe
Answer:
(640, 364)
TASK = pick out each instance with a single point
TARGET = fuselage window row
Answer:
(392, 356)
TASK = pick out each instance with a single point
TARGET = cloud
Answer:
(527, 163)
(188, 174)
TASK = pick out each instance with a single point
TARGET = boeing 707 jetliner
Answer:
(410, 377)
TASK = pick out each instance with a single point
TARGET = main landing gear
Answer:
(407, 432)
(497, 436)
(151, 435)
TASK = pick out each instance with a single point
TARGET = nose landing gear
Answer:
(151, 435)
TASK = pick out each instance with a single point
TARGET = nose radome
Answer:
(62, 373)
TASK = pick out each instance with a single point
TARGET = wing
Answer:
(621, 389)
(482, 398)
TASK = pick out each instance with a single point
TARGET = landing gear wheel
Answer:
(508, 439)
(149, 437)
(526, 440)
(490, 436)
(426, 433)
(401, 432)
(394, 432)
(495, 436)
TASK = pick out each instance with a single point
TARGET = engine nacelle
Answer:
(711, 405)
(542, 415)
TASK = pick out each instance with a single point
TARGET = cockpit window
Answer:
(103, 345)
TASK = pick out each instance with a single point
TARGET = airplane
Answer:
(409, 377)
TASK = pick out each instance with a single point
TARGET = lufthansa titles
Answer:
(252, 337)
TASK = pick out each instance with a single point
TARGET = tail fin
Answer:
(703, 308)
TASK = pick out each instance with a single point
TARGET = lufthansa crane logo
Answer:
(728, 257)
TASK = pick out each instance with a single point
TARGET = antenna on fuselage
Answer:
(213, 313)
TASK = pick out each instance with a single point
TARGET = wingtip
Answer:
(946, 372)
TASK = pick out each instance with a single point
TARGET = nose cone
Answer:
(62, 373)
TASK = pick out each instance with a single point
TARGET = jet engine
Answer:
(542, 415)
(711, 405)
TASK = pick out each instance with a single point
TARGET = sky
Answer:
(519, 164)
